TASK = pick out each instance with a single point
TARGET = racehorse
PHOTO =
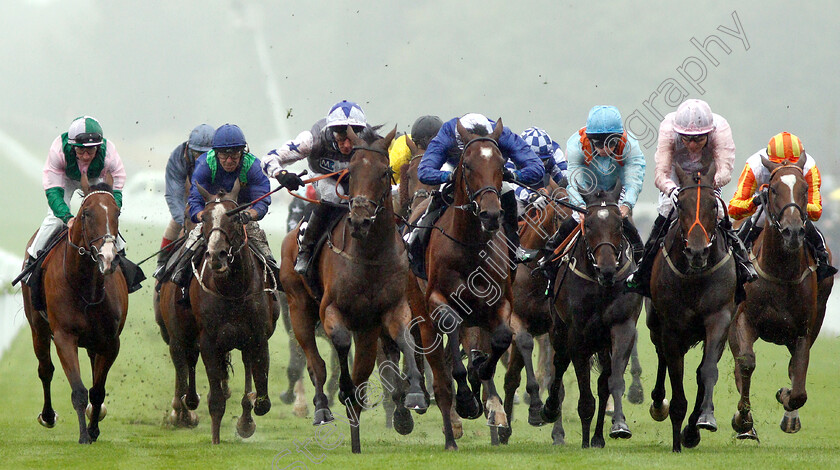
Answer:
(785, 305)
(234, 309)
(364, 276)
(531, 304)
(693, 300)
(596, 316)
(414, 195)
(469, 268)
(86, 304)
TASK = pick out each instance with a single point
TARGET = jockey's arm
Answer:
(258, 185)
(201, 175)
(429, 170)
(292, 151)
(530, 167)
(741, 205)
(664, 158)
(724, 152)
(175, 192)
(633, 175)
(814, 180)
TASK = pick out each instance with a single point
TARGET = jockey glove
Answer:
(509, 176)
(675, 193)
(290, 181)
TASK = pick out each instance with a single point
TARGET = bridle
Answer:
(590, 251)
(472, 205)
(420, 193)
(696, 223)
(88, 248)
(379, 205)
(775, 218)
(232, 253)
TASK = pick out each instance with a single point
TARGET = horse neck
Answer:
(536, 233)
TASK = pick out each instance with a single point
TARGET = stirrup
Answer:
(302, 262)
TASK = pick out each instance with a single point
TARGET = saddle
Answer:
(312, 277)
(418, 237)
(35, 273)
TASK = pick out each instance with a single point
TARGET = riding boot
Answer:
(745, 231)
(639, 281)
(419, 235)
(25, 278)
(634, 238)
(547, 268)
(824, 267)
(510, 223)
(744, 268)
(318, 222)
(180, 274)
(133, 273)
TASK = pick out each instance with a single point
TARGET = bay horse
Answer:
(596, 316)
(786, 304)
(531, 304)
(86, 306)
(364, 276)
(469, 277)
(414, 195)
(692, 300)
(234, 309)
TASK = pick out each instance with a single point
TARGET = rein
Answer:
(472, 205)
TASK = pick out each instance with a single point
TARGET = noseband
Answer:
(472, 205)
(378, 205)
(709, 238)
(775, 218)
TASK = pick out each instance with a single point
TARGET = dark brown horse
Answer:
(179, 330)
(533, 317)
(693, 300)
(469, 275)
(414, 195)
(86, 305)
(231, 297)
(785, 305)
(364, 275)
(596, 316)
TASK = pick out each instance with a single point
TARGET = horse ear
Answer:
(412, 147)
(109, 180)
(390, 137)
(770, 165)
(85, 184)
(587, 197)
(354, 137)
(497, 131)
(234, 192)
(206, 195)
(710, 172)
(801, 162)
(681, 176)
(462, 131)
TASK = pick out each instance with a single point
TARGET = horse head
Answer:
(225, 234)
(479, 176)
(787, 200)
(602, 233)
(96, 226)
(370, 182)
(697, 210)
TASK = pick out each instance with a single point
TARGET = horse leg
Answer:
(179, 416)
(41, 344)
(525, 346)
(363, 364)
(397, 323)
(659, 407)
(679, 404)
(499, 343)
(102, 364)
(335, 372)
(192, 399)
(512, 378)
(636, 393)
(386, 355)
(297, 361)
(552, 409)
(717, 326)
(260, 363)
(66, 347)
(742, 336)
(303, 326)
(245, 425)
(597, 440)
(623, 343)
(586, 402)
(434, 351)
(215, 363)
(793, 399)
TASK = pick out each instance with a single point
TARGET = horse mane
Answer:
(370, 134)
(102, 186)
(480, 131)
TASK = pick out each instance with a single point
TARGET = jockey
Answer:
(599, 155)
(81, 148)
(554, 162)
(782, 147)
(446, 147)
(218, 169)
(179, 170)
(424, 129)
(686, 136)
(327, 149)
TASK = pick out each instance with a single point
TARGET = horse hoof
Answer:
(690, 437)
(548, 415)
(103, 411)
(300, 410)
(415, 401)
(403, 422)
(636, 394)
(535, 415)
(497, 419)
(45, 423)
(707, 422)
(468, 408)
(191, 402)
(504, 434)
(790, 422)
(751, 434)
(659, 413)
(245, 428)
(742, 423)
(597, 442)
(262, 405)
(620, 430)
(781, 393)
(322, 416)
(287, 397)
